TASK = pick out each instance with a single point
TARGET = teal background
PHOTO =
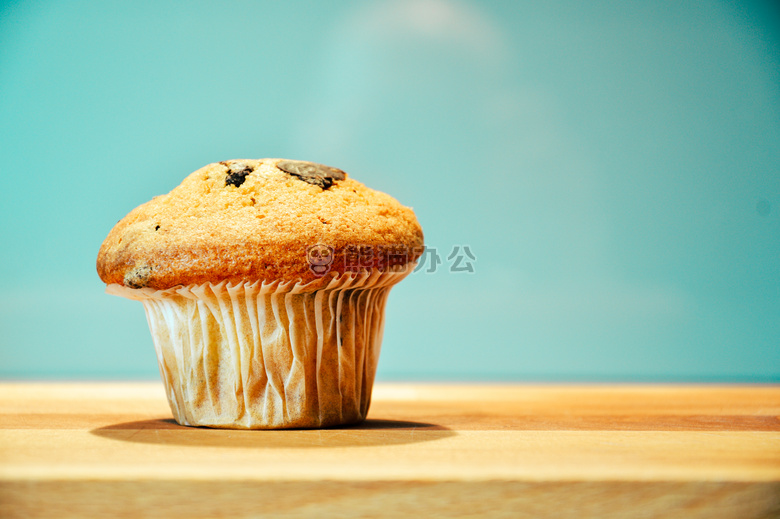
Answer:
(614, 167)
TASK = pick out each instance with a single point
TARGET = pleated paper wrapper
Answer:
(268, 355)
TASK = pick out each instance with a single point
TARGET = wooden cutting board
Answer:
(428, 450)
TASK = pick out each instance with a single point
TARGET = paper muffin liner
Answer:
(268, 355)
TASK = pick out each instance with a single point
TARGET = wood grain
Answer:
(111, 449)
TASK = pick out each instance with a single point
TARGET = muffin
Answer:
(264, 284)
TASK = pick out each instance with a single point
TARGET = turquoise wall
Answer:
(613, 167)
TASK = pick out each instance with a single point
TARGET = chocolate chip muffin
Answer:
(264, 284)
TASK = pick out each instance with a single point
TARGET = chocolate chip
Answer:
(138, 277)
(311, 172)
(237, 174)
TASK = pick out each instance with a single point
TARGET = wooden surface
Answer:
(112, 449)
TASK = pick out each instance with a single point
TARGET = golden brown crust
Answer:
(246, 220)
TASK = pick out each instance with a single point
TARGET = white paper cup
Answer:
(268, 355)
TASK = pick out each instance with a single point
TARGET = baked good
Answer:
(264, 284)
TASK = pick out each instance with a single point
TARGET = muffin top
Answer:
(268, 220)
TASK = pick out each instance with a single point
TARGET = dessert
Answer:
(264, 284)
